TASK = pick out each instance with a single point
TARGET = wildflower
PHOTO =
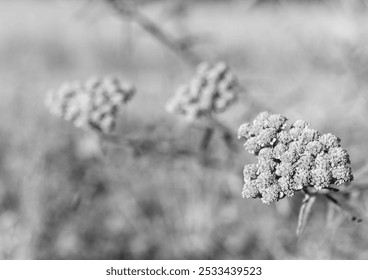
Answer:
(314, 147)
(285, 169)
(270, 194)
(321, 178)
(302, 178)
(341, 174)
(93, 104)
(329, 140)
(245, 131)
(290, 160)
(284, 137)
(279, 150)
(252, 146)
(338, 156)
(250, 171)
(213, 89)
(250, 189)
(266, 137)
(286, 183)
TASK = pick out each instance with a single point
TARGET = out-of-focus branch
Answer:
(342, 204)
(152, 28)
(212, 124)
(184, 52)
(227, 133)
(350, 210)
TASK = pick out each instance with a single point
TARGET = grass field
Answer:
(165, 199)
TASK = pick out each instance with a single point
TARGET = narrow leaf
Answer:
(304, 213)
(350, 210)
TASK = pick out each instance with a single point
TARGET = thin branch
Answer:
(345, 189)
(351, 187)
(347, 208)
(154, 29)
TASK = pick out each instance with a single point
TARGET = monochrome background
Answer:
(163, 197)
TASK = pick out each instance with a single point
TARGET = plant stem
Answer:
(152, 28)
(211, 125)
(304, 213)
(347, 208)
(206, 139)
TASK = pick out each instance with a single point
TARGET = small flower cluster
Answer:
(93, 104)
(212, 90)
(290, 160)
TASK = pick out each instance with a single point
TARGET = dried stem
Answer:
(154, 29)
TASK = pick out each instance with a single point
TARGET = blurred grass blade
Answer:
(304, 213)
(207, 136)
(350, 210)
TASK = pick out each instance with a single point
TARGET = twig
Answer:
(347, 208)
(151, 27)
(349, 188)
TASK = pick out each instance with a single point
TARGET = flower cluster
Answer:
(212, 90)
(290, 160)
(93, 104)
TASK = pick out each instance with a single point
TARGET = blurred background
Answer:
(162, 199)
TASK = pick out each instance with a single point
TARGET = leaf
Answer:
(304, 213)
(350, 210)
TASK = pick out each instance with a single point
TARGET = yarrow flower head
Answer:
(290, 160)
(212, 90)
(91, 105)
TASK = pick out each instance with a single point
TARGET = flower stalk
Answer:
(130, 12)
